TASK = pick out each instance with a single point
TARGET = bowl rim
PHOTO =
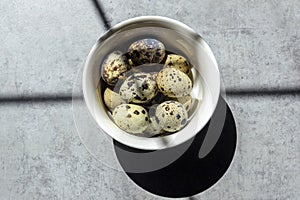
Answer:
(136, 141)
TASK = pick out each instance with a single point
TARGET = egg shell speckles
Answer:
(178, 62)
(139, 88)
(114, 67)
(112, 99)
(171, 116)
(131, 118)
(147, 51)
(173, 83)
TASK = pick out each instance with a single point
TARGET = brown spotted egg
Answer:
(178, 62)
(139, 88)
(131, 118)
(147, 51)
(173, 83)
(171, 116)
(114, 67)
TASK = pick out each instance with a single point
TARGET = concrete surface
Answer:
(44, 43)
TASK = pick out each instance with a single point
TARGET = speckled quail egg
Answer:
(112, 99)
(178, 62)
(131, 118)
(171, 116)
(138, 88)
(173, 82)
(147, 51)
(114, 67)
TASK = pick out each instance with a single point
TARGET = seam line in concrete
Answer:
(263, 92)
(101, 13)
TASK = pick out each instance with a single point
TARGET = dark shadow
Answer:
(39, 98)
(68, 97)
(262, 92)
(188, 175)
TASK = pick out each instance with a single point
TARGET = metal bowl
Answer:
(178, 38)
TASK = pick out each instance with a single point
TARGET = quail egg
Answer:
(173, 83)
(139, 88)
(112, 99)
(147, 51)
(114, 67)
(131, 118)
(171, 116)
(178, 62)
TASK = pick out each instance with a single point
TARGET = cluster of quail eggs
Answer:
(147, 100)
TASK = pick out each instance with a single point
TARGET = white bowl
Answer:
(176, 36)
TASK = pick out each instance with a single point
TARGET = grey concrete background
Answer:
(44, 43)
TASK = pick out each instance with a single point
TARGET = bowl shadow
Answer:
(184, 173)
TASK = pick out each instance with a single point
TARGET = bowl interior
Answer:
(177, 38)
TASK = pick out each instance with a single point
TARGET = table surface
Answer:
(45, 43)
